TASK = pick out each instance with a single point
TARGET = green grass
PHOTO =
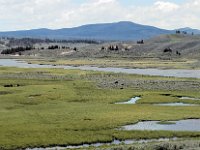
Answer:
(63, 107)
(166, 122)
(123, 63)
(152, 97)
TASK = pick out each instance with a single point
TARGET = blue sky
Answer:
(29, 14)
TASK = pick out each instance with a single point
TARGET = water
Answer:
(23, 64)
(153, 72)
(132, 101)
(182, 125)
(135, 99)
(176, 104)
(189, 98)
(115, 142)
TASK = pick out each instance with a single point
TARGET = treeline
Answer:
(183, 32)
(13, 42)
(77, 41)
(113, 48)
(17, 50)
(32, 41)
(53, 47)
(170, 51)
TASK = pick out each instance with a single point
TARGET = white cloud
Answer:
(169, 15)
(166, 6)
(95, 11)
(26, 14)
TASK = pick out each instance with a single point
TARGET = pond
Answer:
(176, 104)
(152, 72)
(135, 99)
(182, 125)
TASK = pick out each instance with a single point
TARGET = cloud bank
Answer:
(28, 14)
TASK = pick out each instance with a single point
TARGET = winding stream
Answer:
(182, 125)
(189, 98)
(96, 145)
(131, 101)
(152, 72)
(175, 104)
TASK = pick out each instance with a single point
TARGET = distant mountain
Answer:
(109, 31)
(190, 30)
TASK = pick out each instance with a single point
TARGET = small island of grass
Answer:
(166, 122)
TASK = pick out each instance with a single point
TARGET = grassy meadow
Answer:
(124, 63)
(47, 107)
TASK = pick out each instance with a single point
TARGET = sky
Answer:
(55, 14)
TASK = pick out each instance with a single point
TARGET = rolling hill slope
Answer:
(108, 31)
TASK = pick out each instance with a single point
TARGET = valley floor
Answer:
(175, 145)
(50, 107)
(141, 63)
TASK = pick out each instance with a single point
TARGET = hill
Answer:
(190, 30)
(108, 31)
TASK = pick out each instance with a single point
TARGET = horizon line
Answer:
(44, 28)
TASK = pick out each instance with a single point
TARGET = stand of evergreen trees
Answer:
(53, 47)
(16, 50)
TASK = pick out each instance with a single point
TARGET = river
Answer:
(152, 72)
